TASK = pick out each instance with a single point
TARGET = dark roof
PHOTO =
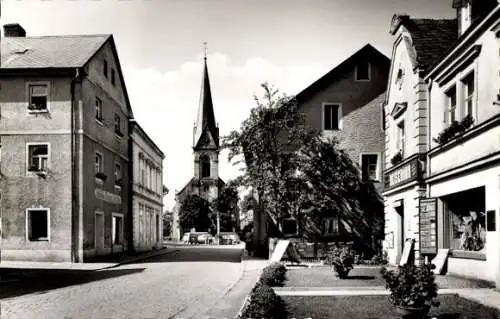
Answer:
(338, 71)
(68, 51)
(430, 37)
(205, 120)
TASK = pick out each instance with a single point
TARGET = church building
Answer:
(205, 181)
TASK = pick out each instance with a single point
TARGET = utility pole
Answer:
(218, 226)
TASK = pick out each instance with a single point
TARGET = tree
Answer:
(335, 188)
(167, 223)
(268, 141)
(195, 213)
(227, 206)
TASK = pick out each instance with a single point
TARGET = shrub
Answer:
(455, 128)
(264, 304)
(379, 259)
(273, 275)
(411, 286)
(341, 259)
(397, 158)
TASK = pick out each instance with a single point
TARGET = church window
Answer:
(205, 166)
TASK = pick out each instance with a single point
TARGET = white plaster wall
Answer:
(410, 202)
(407, 93)
(479, 146)
(490, 178)
(487, 66)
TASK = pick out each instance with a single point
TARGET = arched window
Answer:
(205, 166)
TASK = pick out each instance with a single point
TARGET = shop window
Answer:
(466, 211)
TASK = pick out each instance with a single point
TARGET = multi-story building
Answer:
(463, 171)
(346, 103)
(147, 190)
(64, 134)
(417, 44)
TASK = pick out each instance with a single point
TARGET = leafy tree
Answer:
(167, 223)
(195, 213)
(227, 206)
(268, 140)
(335, 188)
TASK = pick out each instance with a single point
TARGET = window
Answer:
(363, 71)
(38, 96)
(369, 167)
(401, 137)
(98, 163)
(113, 76)
(37, 224)
(105, 68)
(98, 109)
(451, 97)
(38, 157)
(205, 166)
(118, 171)
(117, 230)
(117, 124)
(468, 89)
(331, 117)
(143, 172)
(331, 225)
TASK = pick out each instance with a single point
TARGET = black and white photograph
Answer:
(249, 159)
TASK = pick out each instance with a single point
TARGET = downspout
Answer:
(77, 169)
(131, 212)
(429, 137)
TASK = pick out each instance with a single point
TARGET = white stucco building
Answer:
(147, 190)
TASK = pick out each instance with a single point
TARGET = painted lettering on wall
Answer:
(107, 196)
(406, 173)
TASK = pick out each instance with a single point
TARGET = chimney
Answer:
(13, 30)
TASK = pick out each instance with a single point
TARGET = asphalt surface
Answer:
(183, 284)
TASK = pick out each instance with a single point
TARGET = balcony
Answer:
(409, 170)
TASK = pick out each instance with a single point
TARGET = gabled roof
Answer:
(68, 51)
(193, 180)
(57, 52)
(430, 37)
(344, 67)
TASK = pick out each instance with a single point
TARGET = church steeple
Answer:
(206, 132)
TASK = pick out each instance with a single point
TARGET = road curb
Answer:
(161, 252)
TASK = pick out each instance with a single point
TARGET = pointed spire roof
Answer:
(205, 122)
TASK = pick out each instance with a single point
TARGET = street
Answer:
(185, 283)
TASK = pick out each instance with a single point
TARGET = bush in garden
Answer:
(264, 304)
(273, 275)
(341, 259)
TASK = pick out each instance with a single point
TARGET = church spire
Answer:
(205, 121)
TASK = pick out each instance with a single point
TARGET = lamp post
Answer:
(218, 227)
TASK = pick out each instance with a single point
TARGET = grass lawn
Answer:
(372, 307)
(324, 276)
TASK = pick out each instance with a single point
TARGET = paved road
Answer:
(183, 284)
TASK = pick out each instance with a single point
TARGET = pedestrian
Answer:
(249, 242)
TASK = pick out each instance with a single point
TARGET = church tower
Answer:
(206, 142)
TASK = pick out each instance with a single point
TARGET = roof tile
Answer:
(49, 51)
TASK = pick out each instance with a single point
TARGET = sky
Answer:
(288, 43)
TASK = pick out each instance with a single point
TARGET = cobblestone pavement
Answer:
(170, 286)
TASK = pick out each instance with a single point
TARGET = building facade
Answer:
(63, 129)
(405, 120)
(463, 168)
(346, 103)
(206, 182)
(147, 190)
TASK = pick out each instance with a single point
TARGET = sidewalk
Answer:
(232, 302)
(104, 263)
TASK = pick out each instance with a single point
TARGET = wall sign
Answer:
(428, 225)
(107, 196)
(408, 172)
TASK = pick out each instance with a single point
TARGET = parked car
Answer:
(185, 238)
(228, 238)
(204, 238)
